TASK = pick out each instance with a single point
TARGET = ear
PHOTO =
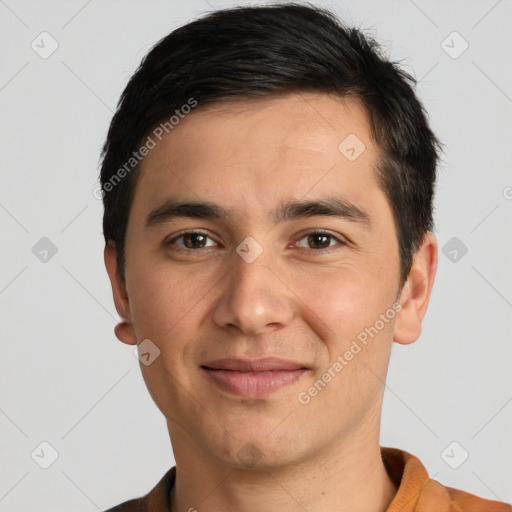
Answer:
(124, 330)
(416, 292)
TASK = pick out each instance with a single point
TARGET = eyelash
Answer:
(340, 241)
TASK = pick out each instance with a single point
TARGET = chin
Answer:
(257, 453)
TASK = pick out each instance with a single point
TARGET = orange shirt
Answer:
(419, 493)
(416, 491)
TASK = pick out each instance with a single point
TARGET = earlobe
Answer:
(124, 330)
(416, 292)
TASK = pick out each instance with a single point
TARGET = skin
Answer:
(294, 301)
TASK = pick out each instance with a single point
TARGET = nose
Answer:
(255, 298)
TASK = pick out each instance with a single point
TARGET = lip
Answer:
(253, 378)
(253, 365)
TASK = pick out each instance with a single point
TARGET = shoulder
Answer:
(127, 506)
(438, 498)
(157, 500)
(468, 502)
(417, 492)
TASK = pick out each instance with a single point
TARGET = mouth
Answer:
(253, 378)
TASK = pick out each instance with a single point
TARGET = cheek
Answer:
(345, 310)
(166, 310)
(163, 303)
(343, 302)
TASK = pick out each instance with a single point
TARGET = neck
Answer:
(349, 477)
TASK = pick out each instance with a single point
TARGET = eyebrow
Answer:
(329, 207)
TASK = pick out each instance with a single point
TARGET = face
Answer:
(253, 298)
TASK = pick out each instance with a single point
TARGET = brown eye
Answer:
(191, 240)
(320, 240)
(194, 240)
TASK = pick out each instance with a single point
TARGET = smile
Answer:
(253, 379)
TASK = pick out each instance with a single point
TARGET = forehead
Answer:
(252, 154)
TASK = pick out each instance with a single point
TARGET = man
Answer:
(268, 182)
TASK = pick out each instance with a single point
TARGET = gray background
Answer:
(67, 381)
